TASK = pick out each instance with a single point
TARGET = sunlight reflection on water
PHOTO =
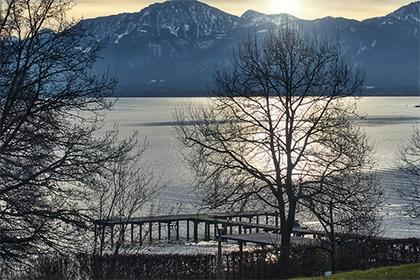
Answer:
(388, 124)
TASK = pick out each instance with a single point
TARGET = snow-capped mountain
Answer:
(409, 13)
(257, 18)
(172, 48)
(186, 19)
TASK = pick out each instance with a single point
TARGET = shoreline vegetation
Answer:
(175, 94)
(306, 261)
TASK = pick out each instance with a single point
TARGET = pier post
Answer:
(150, 233)
(215, 231)
(169, 232)
(122, 233)
(195, 232)
(112, 236)
(132, 234)
(206, 231)
(188, 230)
(258, 222)
(159, 231)
(177, 230)
(141, 234)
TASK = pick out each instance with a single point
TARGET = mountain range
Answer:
(173, 48)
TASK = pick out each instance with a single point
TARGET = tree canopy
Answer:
(51, 108)
(279, 127)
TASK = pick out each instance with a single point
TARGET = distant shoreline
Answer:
(208, 96)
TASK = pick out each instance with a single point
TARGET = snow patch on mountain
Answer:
(257, 18)
(119, 36)
(84, 50)
(262, 31)
(362, 49)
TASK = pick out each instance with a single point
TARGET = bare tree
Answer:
(123, 192)
(347, 207)
(269, 134)
(51, 107)
(409, 160)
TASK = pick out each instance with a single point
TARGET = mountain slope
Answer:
(410, 13)
(172, 48)
(187, 19)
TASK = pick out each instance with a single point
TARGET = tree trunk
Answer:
(286, 228)
(333, 255)
(120, 240)
(333, 239)
(285, 247)
(102, 245)
(285, 243)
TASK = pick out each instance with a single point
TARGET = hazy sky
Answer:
(307, 9)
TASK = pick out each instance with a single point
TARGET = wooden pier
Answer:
(190, 227)
(258, 228)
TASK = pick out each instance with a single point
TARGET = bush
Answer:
(254, 264)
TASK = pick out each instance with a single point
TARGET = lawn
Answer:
(405, 272)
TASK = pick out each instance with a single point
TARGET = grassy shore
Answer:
(404, 272)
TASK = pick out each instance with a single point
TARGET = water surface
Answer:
(388, 124)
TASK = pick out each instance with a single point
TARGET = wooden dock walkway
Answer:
(192, 227)
(268, 238)
(189, 227)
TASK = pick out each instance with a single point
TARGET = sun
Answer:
(283, 6)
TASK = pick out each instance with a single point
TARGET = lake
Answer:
(388, 125)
